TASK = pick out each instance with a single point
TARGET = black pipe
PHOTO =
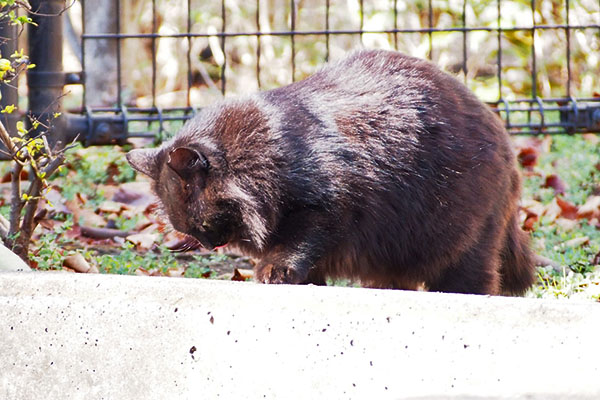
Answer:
(47, 79)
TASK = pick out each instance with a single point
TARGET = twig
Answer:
(5, 137)
(28, 223)
(16, 203)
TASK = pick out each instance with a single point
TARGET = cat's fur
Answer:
(379, 167)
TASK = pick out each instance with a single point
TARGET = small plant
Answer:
(28, 149)
(50, 253)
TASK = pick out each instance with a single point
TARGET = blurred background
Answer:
(162, 58)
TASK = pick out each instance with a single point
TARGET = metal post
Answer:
(47, 79)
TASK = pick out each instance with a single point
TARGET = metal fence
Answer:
(534, 62)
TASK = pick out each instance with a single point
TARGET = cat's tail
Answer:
(518, 261)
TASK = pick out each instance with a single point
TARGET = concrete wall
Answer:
(71, 336)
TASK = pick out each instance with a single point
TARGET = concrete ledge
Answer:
(68, 336)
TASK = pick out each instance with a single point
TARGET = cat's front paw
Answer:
(272, 273)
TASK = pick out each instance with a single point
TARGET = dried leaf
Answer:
(590, 209)
(531, 206)
(110, 207)
(77, 262)
(568, 210)
(577, 242)
(142, 272)
(529, 222)
(138, 194)
(83, 215)
(176, 272)
(554, 182)
(242, 274)
(55, 202)
(566, 224)
(552, 210)
(143, 241)
(528, 156)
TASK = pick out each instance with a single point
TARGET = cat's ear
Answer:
(145, 161)
(187, 162)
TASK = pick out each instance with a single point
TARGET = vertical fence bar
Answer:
(154, 31)
(464, 23)
(326, 30)
(293, 37)
(533, 61)
(119, 77)
(83, 40)
(429, 32)
(258, 49)
(396, 24)
(499, 54)
(189, 53)
(223, 26)
(362, 20)
(533, 58)
(568, 38)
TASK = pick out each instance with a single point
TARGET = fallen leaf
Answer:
(552, 210)
(529, 222)
(136, 193)
(176, 272)
(142, 272)
(590, 209)
(110, 207)
(143, 241)
(554, 182)
(83, 215)
(242, 274)
(568, 210)
(577, 242)
(528, 156)
(566, 224)
(76, 262)
(55, 202)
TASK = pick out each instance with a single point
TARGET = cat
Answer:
(379, 168)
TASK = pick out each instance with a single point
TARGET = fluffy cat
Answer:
(379, 167)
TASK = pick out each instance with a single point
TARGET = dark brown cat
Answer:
(379, 167)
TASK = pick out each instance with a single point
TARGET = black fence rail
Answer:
(534, 62)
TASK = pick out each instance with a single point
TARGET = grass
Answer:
(575, 160)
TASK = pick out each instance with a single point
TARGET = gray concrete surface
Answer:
(70, 336)
(9, 261)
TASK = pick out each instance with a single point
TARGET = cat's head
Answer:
(206, 178)
(186, 180)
